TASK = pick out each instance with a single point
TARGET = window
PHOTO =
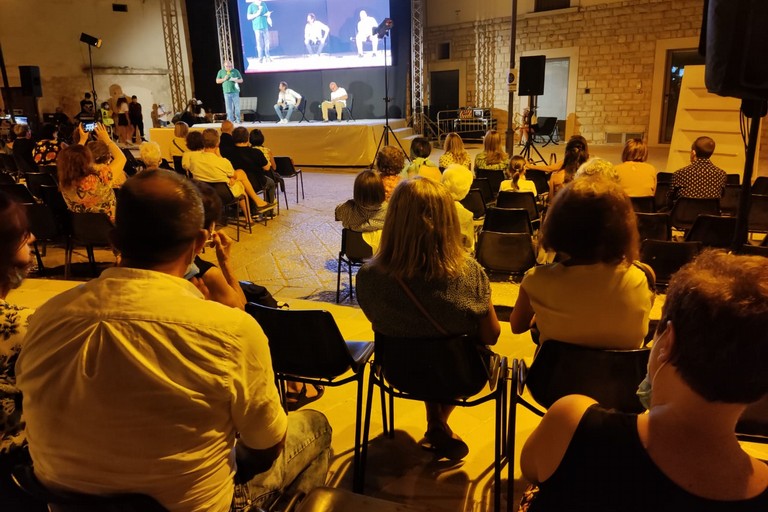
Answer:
(551, 5)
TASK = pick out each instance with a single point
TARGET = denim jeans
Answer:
(302, 465)
(262, 43)
(232, 102)
(280, 111)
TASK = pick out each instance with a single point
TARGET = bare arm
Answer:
(544, 450)
(522, 314)
(489, 328)
(221, 282)
(117, 165)
(548, 168)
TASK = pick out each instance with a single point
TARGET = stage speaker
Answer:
(30, 81)
(733, 40)
(531, 81)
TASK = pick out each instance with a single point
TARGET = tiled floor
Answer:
(295, 257)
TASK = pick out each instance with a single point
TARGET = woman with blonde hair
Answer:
(492, 156)
(636, 176)
(421, 252)
(596, 294)
(87, 185)
(179, 142)
(454, 152)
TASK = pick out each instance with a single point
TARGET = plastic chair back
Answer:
(758, 214)
(473, 202)
(89, 228)
(36, 179)
(654, 226)
(507, 220)
(484, 187)
(666, 258)
(733, 179)
(664, 177)
(643, 204)
(686, 209)
(495, 177)
(754, 250)
(514, 199)
(431, 369)
(661, 197)
(540, 179)
(354, 247)
(610, 377)
(760, 186)
(729, 203)
(510, 253)
(712, 231)
(285, 166)
(6, 178)
(303, 342)
(19, 192)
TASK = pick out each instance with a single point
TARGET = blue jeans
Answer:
(302, 465)
(262, 43)
(281, 110)
(232, 103)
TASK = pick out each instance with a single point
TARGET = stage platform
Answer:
(315, 143)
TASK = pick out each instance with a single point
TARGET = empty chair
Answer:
(508, 253)
(301, 108)
(495, 177)
(36, 179)
(286, 169)
(507, 220)
(18, 191)
(758, 214)
(230, 203)
(473, 202)
(484, 187)
(354, 252)
(643, 204)
(729, 203)
(514, 199)
(306, 346)
(712, 231)
(666, 258)
(249, 108)
(540, 179)
(448, 371)
(733, 179)
(760, 186)
(91, 230)
(686, 209)
(654, 226)
(664, 177)
(44, 224)
(545, 130)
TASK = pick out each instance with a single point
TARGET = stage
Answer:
(315, 143)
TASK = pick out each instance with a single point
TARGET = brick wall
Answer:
(616, 44)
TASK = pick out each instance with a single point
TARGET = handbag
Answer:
(490, 359)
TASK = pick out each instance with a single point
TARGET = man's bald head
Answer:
(159, 217)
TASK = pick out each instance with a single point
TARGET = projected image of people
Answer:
(307, 35)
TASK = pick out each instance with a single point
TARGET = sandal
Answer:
(295, 401)
(444, 444)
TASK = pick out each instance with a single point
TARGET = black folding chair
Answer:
(91, 230)
(19, 192)
(494, 176)
(301, 109)
(545, 130)
(661, 197)
(506, 253)
(666, 258)
(484, 187)
(286, 169)
(354, 252)
(654, 226)
(35, 180)
(686, 209)
(712, 231)
(231, 207)
(664, 177)
(525, 200)
(729, 203)
(473, 202)
(507, 220)
(540, 179)
(758, 214)
(643, 204)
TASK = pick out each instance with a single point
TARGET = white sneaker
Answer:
(283, 121)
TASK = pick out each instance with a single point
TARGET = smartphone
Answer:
(89, 127)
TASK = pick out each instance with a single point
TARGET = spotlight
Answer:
(383, 28)
(90, 40)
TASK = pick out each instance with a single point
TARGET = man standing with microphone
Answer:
(231, 79)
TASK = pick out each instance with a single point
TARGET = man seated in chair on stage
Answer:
(134, 383)
(338, 101)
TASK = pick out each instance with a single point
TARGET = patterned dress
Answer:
(13, 326)
(93, 193)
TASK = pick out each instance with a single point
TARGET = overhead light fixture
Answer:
(90, 40)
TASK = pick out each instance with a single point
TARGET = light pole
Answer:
(511, 81)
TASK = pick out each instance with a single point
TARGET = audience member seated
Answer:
(154, 390)
(493, 155)
(458, 180)
(150, 155)
(420, 151)
(15, 261)
(23, 147)
(219, 284)
(226, 142)
(454, 152)
(421, 249)
(256, 138)
(209, 167)
(597, 168)
(596, 295)
(47, 148)
(576, 153)
(515, 174)
(252, 162)
(707, 363)
(179, 142)
(87, 185)
(700, 179)
(389, 163)
(636, 176)
(366, 211)
(194, 143)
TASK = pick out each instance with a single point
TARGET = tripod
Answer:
(526, 151)
(384, 139)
